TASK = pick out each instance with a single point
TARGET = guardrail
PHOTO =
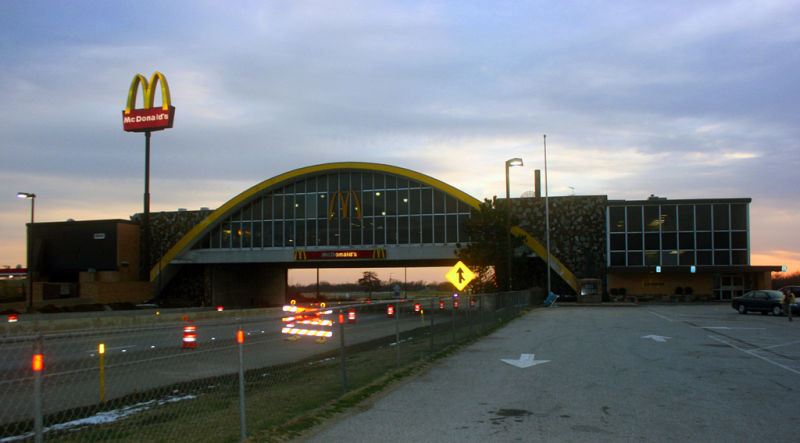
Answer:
(226, 379)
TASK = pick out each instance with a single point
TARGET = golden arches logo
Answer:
(148, 118)
(344, 199)
(300, 254)
(379, 253)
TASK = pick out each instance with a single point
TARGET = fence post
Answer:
(433, 314)
(343, 356)
(242, 413)
(38, 366)
(397, 333)
(453, 317)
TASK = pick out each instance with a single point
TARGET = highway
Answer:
(140, 359)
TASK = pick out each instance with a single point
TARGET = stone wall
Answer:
(577, 230)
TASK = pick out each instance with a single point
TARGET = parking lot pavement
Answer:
(586, 374)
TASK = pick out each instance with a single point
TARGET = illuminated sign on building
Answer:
(344, 199)
(301, 254)
(148, 118)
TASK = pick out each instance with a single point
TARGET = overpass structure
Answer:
(346, 214)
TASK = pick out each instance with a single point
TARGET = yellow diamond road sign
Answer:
(460, 276)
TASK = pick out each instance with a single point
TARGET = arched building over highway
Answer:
(345, 214)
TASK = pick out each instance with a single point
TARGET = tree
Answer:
(369, 281)
(487, 252)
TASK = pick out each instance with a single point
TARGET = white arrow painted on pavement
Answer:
(525, 360)
(658, 338)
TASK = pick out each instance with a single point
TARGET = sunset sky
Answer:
(681, 99)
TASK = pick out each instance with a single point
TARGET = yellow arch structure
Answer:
(201, 228)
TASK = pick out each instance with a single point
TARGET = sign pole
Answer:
(146, 214)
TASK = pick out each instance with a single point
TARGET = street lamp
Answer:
(28, 260)
(546, 215)
(509, 163)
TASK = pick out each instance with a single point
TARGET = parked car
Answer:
(762, 300)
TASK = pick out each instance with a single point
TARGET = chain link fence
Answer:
(223, 376)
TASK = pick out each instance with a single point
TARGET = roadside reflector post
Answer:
(220, 308)
(351, 315)
(12, 318)
(102, 351)
(38, 367)
(242, 415)
(343, 356)
(390, 311)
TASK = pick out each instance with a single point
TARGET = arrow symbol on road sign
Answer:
(525, 361)
(658, 338)
(460, 273)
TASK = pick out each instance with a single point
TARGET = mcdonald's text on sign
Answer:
(460, 276)
(148, 118)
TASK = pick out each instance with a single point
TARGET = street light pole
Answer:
(510, 162)
(28, 260)
(546, 215)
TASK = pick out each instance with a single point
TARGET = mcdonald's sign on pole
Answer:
(148, 118)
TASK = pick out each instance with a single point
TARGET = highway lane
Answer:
(138, 360)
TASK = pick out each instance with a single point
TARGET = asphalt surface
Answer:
(648, 373)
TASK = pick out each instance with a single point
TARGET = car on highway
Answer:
(761, 300)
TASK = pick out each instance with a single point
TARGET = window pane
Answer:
(414, 230)
(739, 257)
(391, 230)
(257, 234)
(617, 242)
(451, 204)
(703, 240)
(277, 232)
(722, 258)
(299, 205)
(380, 230)
(651, 258)
(311, 233)
(652, 220)
(380, 203)
(668, 218)
(703, 217)
(651, 241)
(686, 217)
(427, 229)
(310, 205)
(669, 258)
(634, 218)
(452, 229)
(686, 240)
(427, 200)
(722, 240)
(268, 214)
(617, 259)
(438, 228)
(686, 258)
(268, 234)
(462, 230)
(669, 241)
(402, 230)
(368, 203)
(635, 259)
(739, 217)
(739, 240)
(616, 216)
(438, 202)
(391, 202)
(277, 207)
(703, 258)
(403, 205)
(413, 201)
(635, 242)
(721, 217)
(299, 233)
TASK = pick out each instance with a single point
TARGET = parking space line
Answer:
(780, 345)
(661, 316)
(752, 353)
